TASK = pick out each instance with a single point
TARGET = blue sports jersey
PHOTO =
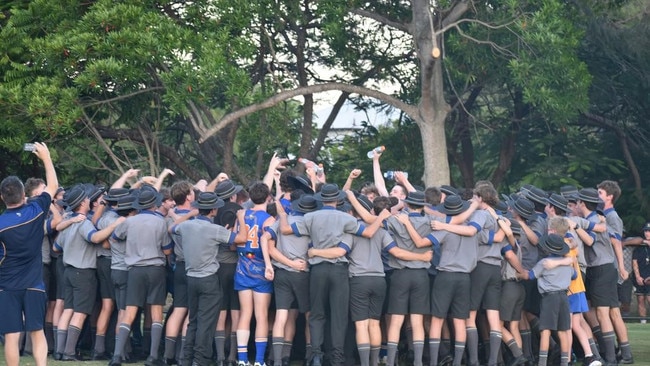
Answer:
(21, 238)
(250, 265)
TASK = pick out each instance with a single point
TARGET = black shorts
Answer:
(485, 291)
(291, 289)
(513, 295)
(601, 286)
(180, 286)
(120, 279)
(59, 269)
(625, 290)
(104, 278)
(22, 310)
(367, 295)
(146, 285)
(533, 298)
(409, 292)
(80, 289)
(450, 295)
(49, 279)
(230, 299)
(554, 311)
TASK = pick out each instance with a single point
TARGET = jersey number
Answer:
(253, 240)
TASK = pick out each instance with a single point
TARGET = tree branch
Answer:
(410, 110)
(381, 19)
(121, 97)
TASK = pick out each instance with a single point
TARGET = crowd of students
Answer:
(529, 278)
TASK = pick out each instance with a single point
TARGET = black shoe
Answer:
(286, 361)
(57, 356)
(172, 361)
(627, 361)
(115, 361)
(316, 361)
(70, 358)
(153, 361)
(592, 361)
(99, 356)
(521, 360)
(446, 361)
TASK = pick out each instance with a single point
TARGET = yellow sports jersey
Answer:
(578, 284)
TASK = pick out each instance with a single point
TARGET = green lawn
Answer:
(639, 338)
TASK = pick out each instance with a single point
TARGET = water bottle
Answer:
(390, 175)
(378, 150)
(318, 168)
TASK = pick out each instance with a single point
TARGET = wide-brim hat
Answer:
(306, 203)
(226, 189)
(115, 194)
(589, 195)
(559, 201)
(330, 192)
(569, 192)
(300, 182)
(448, 190)
(344, 206)
(73, 197)
(537, 195)
(415, 198)
(646, 227)
(147, 199)
(207, 201)
(364, 201)
(453, 205)
(125, 203)
(524, 207)
(553, 244)
(501, 206)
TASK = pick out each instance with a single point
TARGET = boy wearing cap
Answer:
(291, 275)
(201, 240)
(328, 282)
(78, 244)
(147, 243)
(554, 307)
(22, 291)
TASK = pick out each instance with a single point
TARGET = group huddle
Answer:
(524, 273)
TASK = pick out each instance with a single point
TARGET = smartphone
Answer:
(28, 146)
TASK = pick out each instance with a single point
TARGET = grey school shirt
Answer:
(291, 246)
(403, 240)
(201, 239)
(108, 217)
(118, 252)
(365, 254)
(178, 242)
(327, 228)
(601, 252)
(556, 279)
(78, 250)
(489, 251)
(457, 253)
(146, 236)
(46, 246)
(529, 252)
(586, 226)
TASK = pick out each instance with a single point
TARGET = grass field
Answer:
(639, 338)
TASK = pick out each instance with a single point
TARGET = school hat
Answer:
(501, 206)
(537, 195)
(306, 203)
(559, 201)
(515, 226)
(113, 195)
(147, 199)
(646, 227)
(226, 189)
(570, 192)
(589, 195)
(73, 197)
(300, 182)
(453, 205)
(448, 190)
(415, 198)
(94, 191)
(330, 192)
(343, 206)
(553, 244)
(207, 201)
(365, 202)
(125, 202)
(524, 208)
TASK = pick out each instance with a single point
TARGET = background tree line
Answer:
(544, 92)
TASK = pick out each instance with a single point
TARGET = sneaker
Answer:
(153, 361)
(242, 363)
(259, 364)
(627, 361)
(521, 360)
(592, 361)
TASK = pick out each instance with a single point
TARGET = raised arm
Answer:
(121, 181)
(161, 178)
(378, 177)
(354, 174)
(275, 164)
(215, 182)
(366, 216)
(43, 153)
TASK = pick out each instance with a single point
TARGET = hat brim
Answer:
(319, 197)
(414, 203)
(296, 183)
(295, 206)
(547, 249)
(237, 189)
(156, 203)
(201, 206)
(463, 207)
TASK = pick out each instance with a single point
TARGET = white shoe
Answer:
(242, 363)
(259, 364)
